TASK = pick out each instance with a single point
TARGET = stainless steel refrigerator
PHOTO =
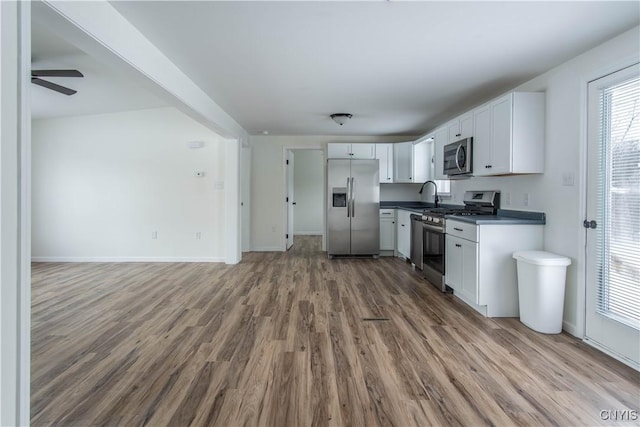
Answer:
(353, 212)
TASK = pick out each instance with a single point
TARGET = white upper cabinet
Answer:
(403, 162)
(351, 151)
(440, 139)
(422, 161)
(384, 153)
(482, 152)
(509, 135)
(460, 127)
(338, 151)
(363, 151)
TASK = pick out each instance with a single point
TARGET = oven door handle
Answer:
(433, 228)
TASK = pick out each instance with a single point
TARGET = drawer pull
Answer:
(458, 245)
(458, 229)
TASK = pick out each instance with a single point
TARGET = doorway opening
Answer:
(304, 194)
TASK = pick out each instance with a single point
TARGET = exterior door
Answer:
(365, 207)
(612, 320)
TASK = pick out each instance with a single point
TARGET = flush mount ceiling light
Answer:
(340, 118)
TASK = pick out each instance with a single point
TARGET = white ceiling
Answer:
(101, 90)
(398, 67)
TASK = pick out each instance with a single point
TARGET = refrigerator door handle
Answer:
(348, 197)
(353, 198)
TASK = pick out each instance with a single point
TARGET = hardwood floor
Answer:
(295, 339)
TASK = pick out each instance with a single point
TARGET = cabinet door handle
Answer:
(489, 166)
(393, 222)
(458, 134)
(458, 245)
(402, 225)
(458, 229)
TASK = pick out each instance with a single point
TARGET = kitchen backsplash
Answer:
(402, 193)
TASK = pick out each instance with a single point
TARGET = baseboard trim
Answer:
(126, 259)
(266, 249)
(595, 344)
(570, 328)
(308, 233)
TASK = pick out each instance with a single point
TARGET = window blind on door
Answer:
(618, 248)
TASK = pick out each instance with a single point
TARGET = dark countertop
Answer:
(416, 207)
(504, 217)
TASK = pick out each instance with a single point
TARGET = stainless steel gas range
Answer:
(433, 232)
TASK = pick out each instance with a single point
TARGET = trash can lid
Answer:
(541, 258)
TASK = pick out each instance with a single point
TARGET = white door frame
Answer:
(245, 204)
(15, 213)
(286, 148)
(289, 198)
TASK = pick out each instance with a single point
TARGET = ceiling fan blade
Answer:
(56, 73)
(53, 86)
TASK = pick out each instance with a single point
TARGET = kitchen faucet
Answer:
(435, 191)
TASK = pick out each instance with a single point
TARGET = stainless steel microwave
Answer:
(457, 158)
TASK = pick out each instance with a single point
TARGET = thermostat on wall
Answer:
(195, 144)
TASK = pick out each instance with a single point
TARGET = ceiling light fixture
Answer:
(341, 118)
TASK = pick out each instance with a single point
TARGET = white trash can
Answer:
(541, 283)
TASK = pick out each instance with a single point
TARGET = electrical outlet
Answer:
(507, 199)
(525, 199)
(154, 235)
(198, 235)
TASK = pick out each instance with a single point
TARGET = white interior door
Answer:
(612, 320)
(289, 199)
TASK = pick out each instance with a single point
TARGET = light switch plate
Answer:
(568, 179)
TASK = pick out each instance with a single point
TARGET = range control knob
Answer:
(436, 220)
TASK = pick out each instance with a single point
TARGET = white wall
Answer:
(102, 184)
(565, 88)
(308, 190)
(267, 183)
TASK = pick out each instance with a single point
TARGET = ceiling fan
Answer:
(36, 74)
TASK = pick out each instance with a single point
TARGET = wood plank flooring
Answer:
(295, 339)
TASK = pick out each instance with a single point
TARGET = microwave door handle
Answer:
(458, 152)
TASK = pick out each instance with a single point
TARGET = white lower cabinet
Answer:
(462, 263)
(479, 264)
(403, 233)
(387, 231)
